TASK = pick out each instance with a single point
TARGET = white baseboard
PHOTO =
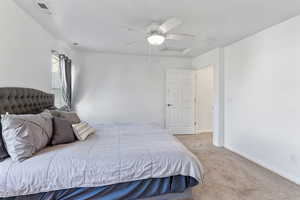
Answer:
(203, 131)
(265, 165)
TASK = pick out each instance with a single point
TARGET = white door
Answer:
(180, 101)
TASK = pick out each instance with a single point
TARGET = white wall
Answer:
(215, 58)
(123, 88)
(262, 104)
(204, 96)
(25, 49)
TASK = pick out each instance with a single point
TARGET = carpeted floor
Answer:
(229, 176)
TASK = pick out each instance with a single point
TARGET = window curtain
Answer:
(66, 81)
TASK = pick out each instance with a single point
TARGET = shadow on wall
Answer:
(122, 88)
(76, 79)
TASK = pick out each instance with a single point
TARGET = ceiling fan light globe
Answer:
(156, 39)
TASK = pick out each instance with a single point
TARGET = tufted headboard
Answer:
(24, 100)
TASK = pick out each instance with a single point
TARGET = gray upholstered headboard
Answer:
(24, 100)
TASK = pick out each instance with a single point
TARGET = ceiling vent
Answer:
(42, 5)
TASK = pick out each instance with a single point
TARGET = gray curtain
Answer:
(66, 80)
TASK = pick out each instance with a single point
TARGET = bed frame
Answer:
(16, 100)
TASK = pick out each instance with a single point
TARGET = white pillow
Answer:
(83, 130)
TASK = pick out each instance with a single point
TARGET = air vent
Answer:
(43, 6)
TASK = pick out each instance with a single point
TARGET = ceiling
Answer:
(102, 25)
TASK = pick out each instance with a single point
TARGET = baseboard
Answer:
(203, 131)
(263, 164)
(182, 131)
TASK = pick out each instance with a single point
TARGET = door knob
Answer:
(170, 105)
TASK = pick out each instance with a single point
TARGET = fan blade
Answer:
(169, 24)
(134, 29)
(186, 51)
(182, 51)
(132, 43)
(166, 49)
(180, 36)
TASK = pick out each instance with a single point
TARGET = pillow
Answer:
(62, 131)
(25, 135)
(3, 152)
(70, 116)
(83, 130)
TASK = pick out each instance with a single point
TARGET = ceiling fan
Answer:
(156, 34)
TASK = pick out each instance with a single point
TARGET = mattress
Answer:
(116, 153)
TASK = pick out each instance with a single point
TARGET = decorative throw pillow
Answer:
(3, 152)
(83, 130)
(62, 132)
(70, 116)
(25, 135)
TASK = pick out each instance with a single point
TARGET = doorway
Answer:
(190, 100)
(204, 100)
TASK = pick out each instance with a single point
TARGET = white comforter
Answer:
(116, 153)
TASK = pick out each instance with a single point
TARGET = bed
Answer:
(119, 161)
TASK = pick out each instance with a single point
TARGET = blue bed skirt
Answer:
(121, 191)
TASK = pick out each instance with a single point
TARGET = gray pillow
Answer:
(3, 152)
(62, 131)
(25, 135)
(70, 116)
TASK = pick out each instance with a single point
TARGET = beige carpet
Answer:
(229, 176)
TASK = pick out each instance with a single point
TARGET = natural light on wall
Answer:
(56, 81)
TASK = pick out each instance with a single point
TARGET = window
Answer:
(56, 80)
